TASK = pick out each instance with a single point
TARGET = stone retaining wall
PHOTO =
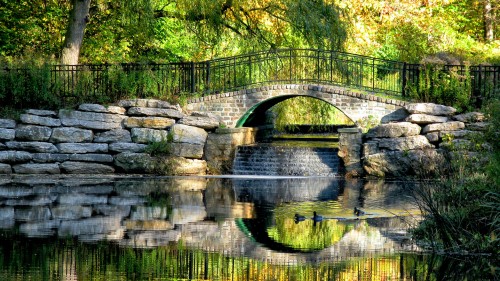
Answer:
(421, 145)
(98, 139)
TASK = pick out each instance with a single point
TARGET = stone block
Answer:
(160, 112)
(149, 122)
(180, 166)
(433, 137)
(82, 147)
(135, 162)
(5, 169)
(149, 213)
(470, 117)
(97, 225)
(91, 120)
(37, 213)
(50, 157)
(7, 134)
(40, 120)
(71, 134)
(7, 123)
(145, 103)
(15, 156)
(145, 135)
(188, 134)
(370, 148)
(36, 169)
(478, 126)
(201, 120)
(76, 199)
(430, 109)
(186, 150)
(101, 108)
(70, 212)
(151, 225)
(42, 147)
(448, 126)
(394, 130)
(405, 143)
(39, 112)
(127, 147)
(426, 119)
(71, 167)
(6, 213)
(126, 201)
(33, 133)
(89, 157)
(116, 135)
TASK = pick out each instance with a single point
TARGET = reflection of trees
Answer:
(307, 235)
(21, 259)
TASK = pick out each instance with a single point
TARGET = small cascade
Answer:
(275, 160)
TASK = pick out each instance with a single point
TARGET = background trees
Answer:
(183, 30)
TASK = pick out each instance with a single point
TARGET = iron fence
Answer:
(71, 84)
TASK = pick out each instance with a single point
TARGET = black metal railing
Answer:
(108, 82)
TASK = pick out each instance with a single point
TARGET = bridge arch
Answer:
(235, 108)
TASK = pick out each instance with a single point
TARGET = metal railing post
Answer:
(403, 83)
(192, 82)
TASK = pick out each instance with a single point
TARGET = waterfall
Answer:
(282, 160)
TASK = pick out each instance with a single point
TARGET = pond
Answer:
(215, 228)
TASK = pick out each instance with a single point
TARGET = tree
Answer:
(75, 32)
(489, 19)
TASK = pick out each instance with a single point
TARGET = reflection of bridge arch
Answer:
(246, 107)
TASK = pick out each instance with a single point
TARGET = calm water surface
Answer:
(143, 228)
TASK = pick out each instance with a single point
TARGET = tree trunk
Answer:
(74, 34)
(489, 18)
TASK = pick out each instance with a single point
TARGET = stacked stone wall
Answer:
(425, 143)
(98, 139)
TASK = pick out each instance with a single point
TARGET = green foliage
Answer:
(443, 85)
(160, 148)
(297, 111)
(462, 213)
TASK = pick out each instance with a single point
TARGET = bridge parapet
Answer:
(237, 107)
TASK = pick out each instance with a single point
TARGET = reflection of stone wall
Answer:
(98, 139)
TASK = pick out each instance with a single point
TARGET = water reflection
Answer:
(205, 228)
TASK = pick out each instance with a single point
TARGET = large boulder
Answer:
(188, 134)
(135, 162)
(430, 109)
(72, 167)
(145, 135)
(180, 166)
(422, 163)
(405, 143)
(394, 130)
(201, 120)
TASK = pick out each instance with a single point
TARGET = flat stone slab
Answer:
(470, 117)
(405, 143)
(5, 169)
(15, 156)
(70, 212)
(149, 213)
(71, 134)
(71, 167)
(77, 199)
(127, 147)
(7, 123)
(116, 135)
(39, 112)
(160, 112)
(101, 108)
(145, 135)
(97, 225)
(6, 213)
(460, 134)
(426, 119)
(33, 133)
(43, 147)
(430, 109)
(186, 150)
(50, 157)
(149, 122)
(200, 121)
(40, 120)
(91, 120)
(134, 162)
(82, 147)
(7, 134)
(145, 103)
(89, 157)
(448, 126)
(37, 213)
(394, 130)
(478, 126)
(51, 169)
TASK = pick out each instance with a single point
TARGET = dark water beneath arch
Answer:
(238, 228)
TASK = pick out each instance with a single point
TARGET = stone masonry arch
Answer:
(235, 107)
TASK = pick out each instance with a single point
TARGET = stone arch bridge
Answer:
(246, 108)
